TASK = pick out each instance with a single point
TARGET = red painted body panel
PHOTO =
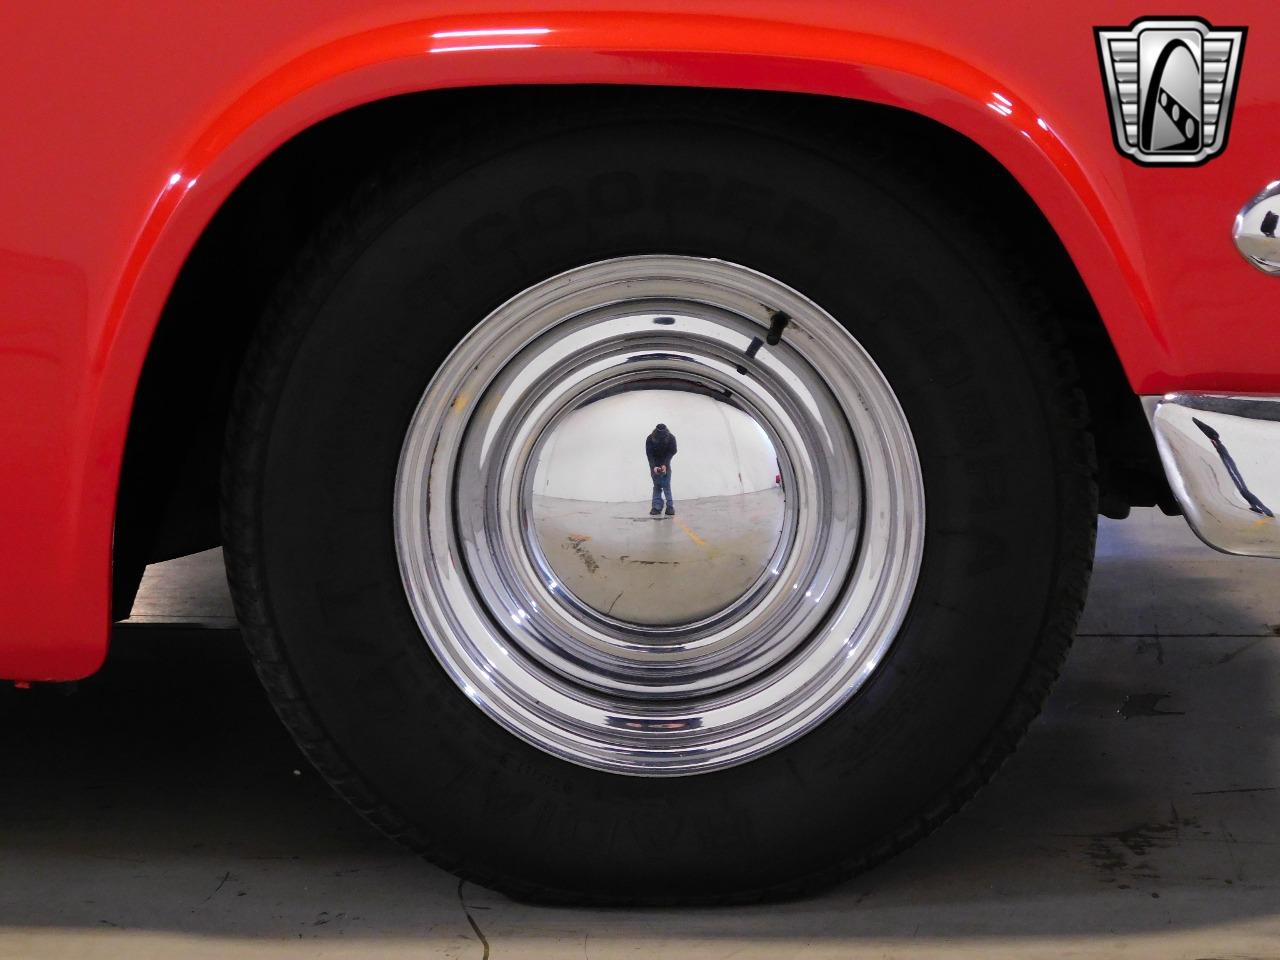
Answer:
(126, 126)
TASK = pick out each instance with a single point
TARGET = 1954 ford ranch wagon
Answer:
(390, 298)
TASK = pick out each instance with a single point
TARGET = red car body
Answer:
(126, 127)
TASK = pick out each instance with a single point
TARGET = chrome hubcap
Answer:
(659, 645)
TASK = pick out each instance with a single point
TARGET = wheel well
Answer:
(168, 502)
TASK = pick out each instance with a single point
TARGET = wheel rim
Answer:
(754, 663)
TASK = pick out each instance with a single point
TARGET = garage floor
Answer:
(162, 812)
(622, 562)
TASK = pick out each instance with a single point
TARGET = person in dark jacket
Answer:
(659, 448)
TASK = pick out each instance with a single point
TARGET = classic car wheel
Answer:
(440, 647)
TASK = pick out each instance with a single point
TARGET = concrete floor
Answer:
(161, 811)
(660, 570)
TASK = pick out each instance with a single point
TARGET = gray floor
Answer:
(161, 812)
(661, 570)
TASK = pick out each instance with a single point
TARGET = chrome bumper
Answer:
(1221, 454)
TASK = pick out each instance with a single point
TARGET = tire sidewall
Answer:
(353, 347)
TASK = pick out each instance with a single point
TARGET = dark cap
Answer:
(661, 428)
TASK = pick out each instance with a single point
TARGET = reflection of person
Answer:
(660, 447)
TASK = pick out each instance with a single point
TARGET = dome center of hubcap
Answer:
(657, 504)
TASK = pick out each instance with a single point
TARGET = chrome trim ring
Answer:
(693, 697)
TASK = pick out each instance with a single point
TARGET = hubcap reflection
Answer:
(651, 601)
(599, 505)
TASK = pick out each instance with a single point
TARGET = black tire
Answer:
(427, 249)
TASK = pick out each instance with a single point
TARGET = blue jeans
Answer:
(661, 486)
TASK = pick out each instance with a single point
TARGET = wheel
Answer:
(877, 530)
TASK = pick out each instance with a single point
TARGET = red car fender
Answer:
(76, 375)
